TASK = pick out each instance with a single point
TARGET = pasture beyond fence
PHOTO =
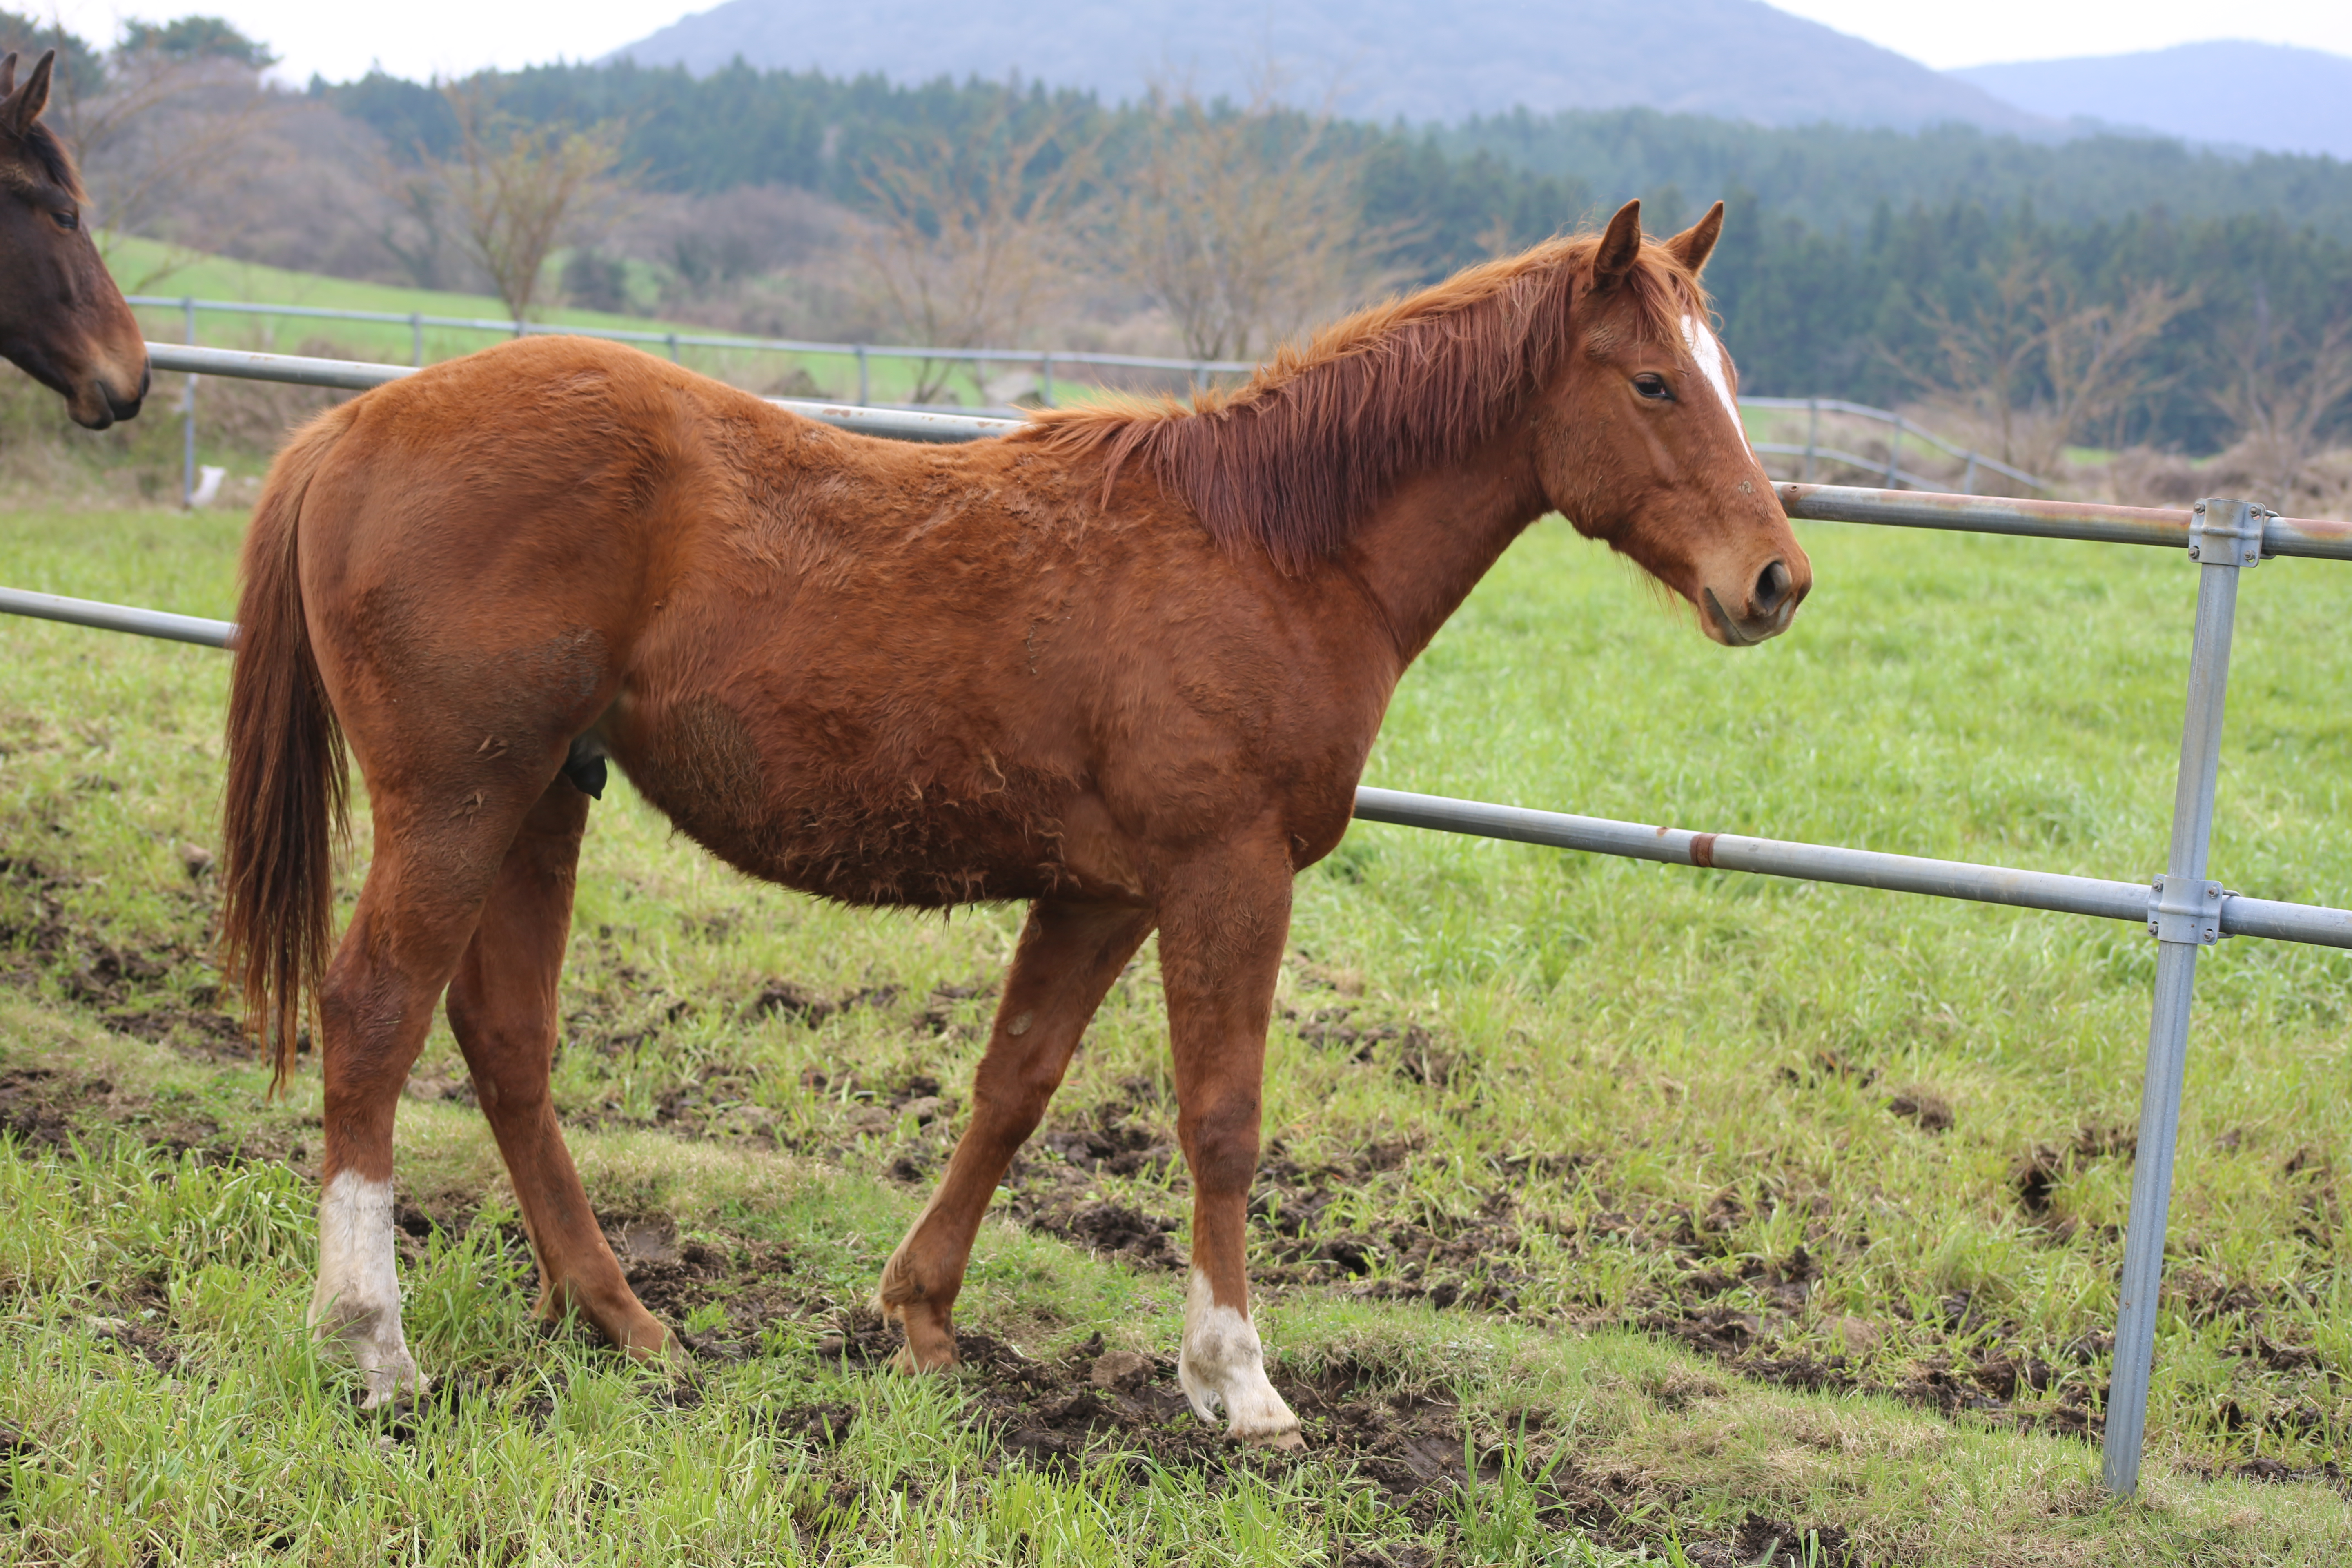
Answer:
(1196, 373)
(2183, 909)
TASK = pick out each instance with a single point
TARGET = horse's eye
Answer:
(1654, 387)
(66, 220)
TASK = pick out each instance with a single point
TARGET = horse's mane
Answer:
(1296, 460)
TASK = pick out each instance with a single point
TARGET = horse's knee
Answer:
(1220, 1141)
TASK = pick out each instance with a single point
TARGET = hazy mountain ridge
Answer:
(1737, 59)
(2230, 92)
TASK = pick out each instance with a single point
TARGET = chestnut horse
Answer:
(62, 320)
(1124, 664)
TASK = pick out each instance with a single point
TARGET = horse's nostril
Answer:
(1771, 587)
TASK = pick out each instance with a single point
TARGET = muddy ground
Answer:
(1408, 1445)
(1471, 1255)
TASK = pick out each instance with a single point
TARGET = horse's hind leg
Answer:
(1068, 956)
(502, 1009)
(375, 1005)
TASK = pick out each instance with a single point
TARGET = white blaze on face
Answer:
(358, 1298)
(1710, 355)
(1222, 1363)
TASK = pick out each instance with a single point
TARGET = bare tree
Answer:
(1989, 354)
(2280, 398)
(416, 225)
(163, 140)
(976, 235)
(2043, 368)
(516, 192)
(2090, 357)
(1244, 224)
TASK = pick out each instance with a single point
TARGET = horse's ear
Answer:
(8, 74)
(1696, 243)
(1621, 246)
(24, 107)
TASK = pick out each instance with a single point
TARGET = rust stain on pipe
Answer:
(1702, 851)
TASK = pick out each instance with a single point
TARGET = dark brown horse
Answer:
(62, 320)
(1125, 665)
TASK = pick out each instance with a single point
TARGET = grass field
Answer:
(182, 274)
(1611, 1212)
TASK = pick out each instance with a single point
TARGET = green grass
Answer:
(182, 274)
(1640, 1126)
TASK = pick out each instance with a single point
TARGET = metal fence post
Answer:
(188, 421)
(2224, 537)
(865, 394)
(1045, 380)
(417, 339)
(1812, 433)
(1894, 452)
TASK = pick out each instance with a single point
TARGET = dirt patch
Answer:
(1408, 1049)
(139, 1325)
(2037, 1174)
(44, 1109)
(37, 1105)
(1930, 1113)
(162, 990)
(1410, 1444)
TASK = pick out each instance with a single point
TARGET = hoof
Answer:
(392, 1384)
(1279, 1440)
(930, 1344)
(910, 1362)
(652, 1341)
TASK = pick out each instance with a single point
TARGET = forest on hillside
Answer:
(2102, 292)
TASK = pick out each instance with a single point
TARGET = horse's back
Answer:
(885, 672)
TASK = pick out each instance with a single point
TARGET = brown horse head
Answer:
(62, 320)
(1581, 375)
(1640, 443)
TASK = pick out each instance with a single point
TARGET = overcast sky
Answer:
(419, 37)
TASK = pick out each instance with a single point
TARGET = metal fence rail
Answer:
(1197, 370)
(1044, 359)
(1815, 407)
(2183, 909)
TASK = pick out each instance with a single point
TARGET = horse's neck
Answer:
(1431, 540)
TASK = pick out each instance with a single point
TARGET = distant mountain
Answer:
(1438, 60)
(2233, 93)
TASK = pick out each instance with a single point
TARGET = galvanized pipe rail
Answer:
(417, 321)
(2182, 909)
(351, 376)
(1815, 407)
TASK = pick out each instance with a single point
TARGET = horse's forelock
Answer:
(37, 158)
(1294, 460)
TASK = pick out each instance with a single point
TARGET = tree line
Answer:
(1863, 264)
(2103, 292)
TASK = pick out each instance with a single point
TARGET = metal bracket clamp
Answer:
(2194, 915)
(2227, 533)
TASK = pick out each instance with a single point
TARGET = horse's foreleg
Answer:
(1220, 940)
(1068, 956)
(502, 1008)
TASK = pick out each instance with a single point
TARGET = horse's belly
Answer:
(822, 811)
(853, 850)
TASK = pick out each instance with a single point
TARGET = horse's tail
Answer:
(286, 801)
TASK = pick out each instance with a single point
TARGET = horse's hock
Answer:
(2185, 910)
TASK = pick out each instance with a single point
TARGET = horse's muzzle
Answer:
(96, 404)
(1771, 605)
